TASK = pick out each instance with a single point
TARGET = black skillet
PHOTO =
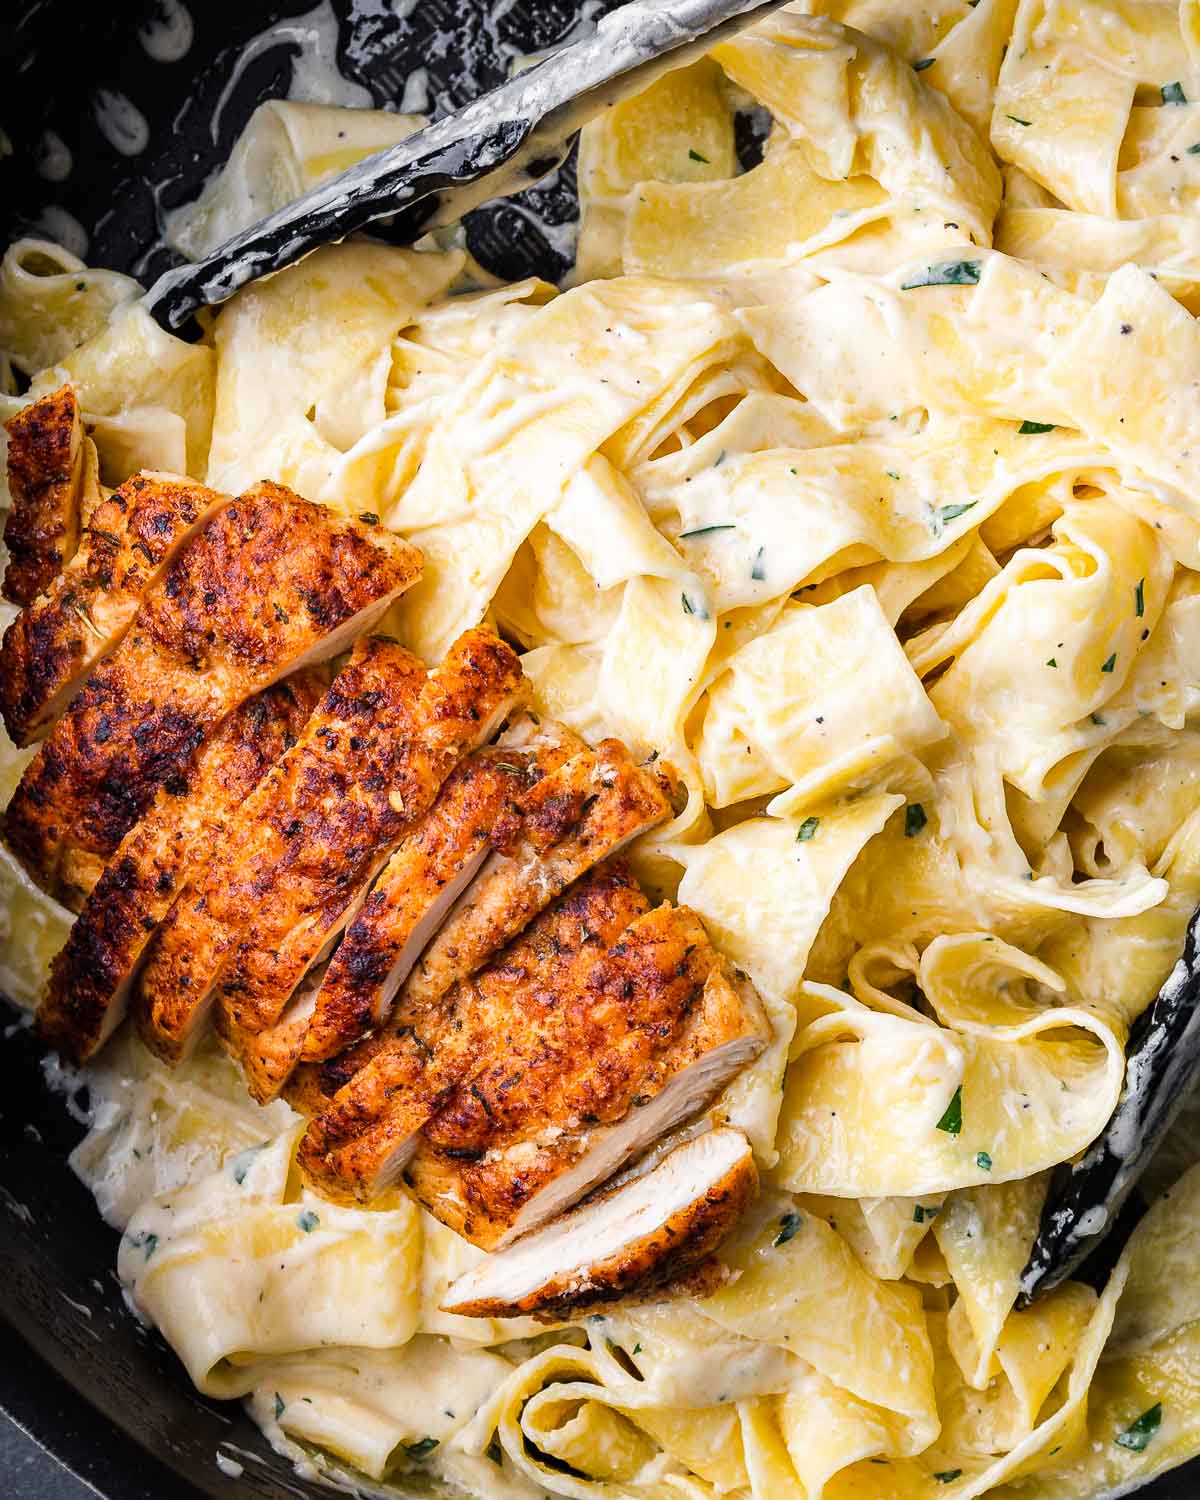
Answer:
(105, 1396)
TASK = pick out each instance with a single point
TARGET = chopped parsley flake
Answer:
(1172, 93)
(788, 1226)
(1017, 120)
(922, 1214)
(1139, 1433)
(914, 820)
(983, 1161)
(280, 1406)
(1051, 661)
(1139, 598)
(1194, 150)
(807, 830)
(951, 1121)
(952, 512)
(946, 273)
(696, 156)
(368, 518)
(1109, 664)
(1098, 719)
(891, 474)
(308, 1220)
(948, 1476)
(637, 1348)
(757, 571)
(1026, 428)
(921, 64)
(421, 1449)
(707, 530)
(719, 460)
(243, 1161)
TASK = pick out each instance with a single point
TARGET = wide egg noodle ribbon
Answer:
(763, 892)
(235, 1269)
(289, 406)
(541, 405)
(1020, 1083)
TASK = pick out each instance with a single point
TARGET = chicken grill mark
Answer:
(615, 1243)
(319, 802)
(480, 807)
(585, 811)
(369, 765)
(491, 1163)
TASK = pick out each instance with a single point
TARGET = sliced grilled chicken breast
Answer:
(45, 474)
(271, 584)
(369, 764)
(477, 808)
(628, 1240)
(267, 1058)
(58, 638)
(290, 834)
(657, 1028)
(91, 976)
(586, 811)
(359, 1145)
(403, 766)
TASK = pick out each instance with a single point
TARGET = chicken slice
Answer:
(45, 473)
(658, 1027)
(91, 976)
(267, 1058)
(369, 765)
(477, 808)
(358, 1146)
(461, 705)
(294, 827)
(586, 811)
(626, 1240)
(54, 643)
(271, 584)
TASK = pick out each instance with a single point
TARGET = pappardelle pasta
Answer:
(861, 484)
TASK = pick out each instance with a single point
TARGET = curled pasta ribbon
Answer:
(51, 302)
(835, 183)
(566, 1399)
(1097, 56)
(288, 407)
(878, 1105)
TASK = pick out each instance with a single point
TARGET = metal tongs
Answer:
(504, 141)
(1162, 1066)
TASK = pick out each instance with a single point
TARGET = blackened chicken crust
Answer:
(45, 467)
(348, 1149)
(84, 611)
(186, 823)
(272, 583)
